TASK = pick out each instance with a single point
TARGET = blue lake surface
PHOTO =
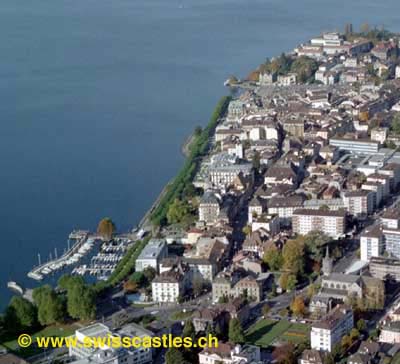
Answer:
(97, 96)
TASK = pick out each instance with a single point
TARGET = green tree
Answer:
(315, 242)
(150, 273)
(139, 278)
(256, 161)
(283, 281)
(11, 321)
(354, 334)
(174, 356)
(293, 256)
(50, 306)
(81, 298)
(25, 312)
(246, 230)
(66, 281)
(361, 325)
(273, 258)
(106, 228)
(236, 334)
(210, 330)
(329, 359)
(291, 282)
(298, 306)
(177, 211)
(395, 126)
(266, 309)
(346, 342)
(198, 286)
(189, 330)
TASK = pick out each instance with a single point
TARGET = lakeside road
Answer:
(145, 222)
(186, 145)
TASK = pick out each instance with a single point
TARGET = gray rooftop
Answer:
(152, 249)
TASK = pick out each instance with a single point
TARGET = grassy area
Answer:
(54, 331)
(265, 332)
(181, 316)
(396, 359)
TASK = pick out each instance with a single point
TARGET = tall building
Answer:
(328, 332)
(371, 243)
(332, 223)
(359, 202)
(209, 208)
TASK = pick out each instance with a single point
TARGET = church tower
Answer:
(327, 263)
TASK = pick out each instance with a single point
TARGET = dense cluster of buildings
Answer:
(287, 160)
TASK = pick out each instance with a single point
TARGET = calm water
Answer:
(96, 97)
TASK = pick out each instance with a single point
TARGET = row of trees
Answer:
(183, 181)
(74, 300)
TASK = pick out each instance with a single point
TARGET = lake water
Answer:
(97, 96)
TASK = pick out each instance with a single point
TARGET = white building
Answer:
(328, 332)
(227, 353)
(224, 175)
(169, 286)
(391, 219)
(287, 80)
(397, 73)
(359, 202)
(390, 333)
(209, 208)
(269, 223)
(379, 135)
(371, 243)
(109, 353)
(152, 254)
(332, 223)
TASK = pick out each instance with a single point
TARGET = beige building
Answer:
(332, 223)
(209, 208)
(328, 332)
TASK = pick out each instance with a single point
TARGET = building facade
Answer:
(332, 223)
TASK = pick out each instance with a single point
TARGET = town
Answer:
(281, 236)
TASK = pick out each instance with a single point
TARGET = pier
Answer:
(83, 243)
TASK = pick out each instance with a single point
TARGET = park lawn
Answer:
(180, 315)
(297, 333)
(265, 332)
(54, 330)
(396, 359)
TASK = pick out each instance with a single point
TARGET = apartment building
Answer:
(359, 202)
(371, 243)
(356, 146)
(326, 333)
(332, 223)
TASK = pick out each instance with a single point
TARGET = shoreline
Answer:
(185, 148)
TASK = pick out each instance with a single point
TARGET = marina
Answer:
(84, 242)
(104, 262)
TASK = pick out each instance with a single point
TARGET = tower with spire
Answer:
(327, 263)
